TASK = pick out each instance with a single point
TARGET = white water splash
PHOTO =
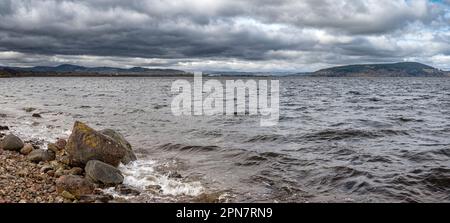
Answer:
(141, 174)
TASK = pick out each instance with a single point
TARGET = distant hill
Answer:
(244, 74)
(405, 69)
(74, 70)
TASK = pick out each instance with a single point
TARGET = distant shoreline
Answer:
(91, 75)
(209, 76)
(403, 69)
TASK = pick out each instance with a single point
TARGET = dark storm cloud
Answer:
(243, 34)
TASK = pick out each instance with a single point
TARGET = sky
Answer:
(227, 35)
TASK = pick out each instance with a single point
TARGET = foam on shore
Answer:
(141, 174)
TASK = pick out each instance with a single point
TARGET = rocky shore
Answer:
(73, 170)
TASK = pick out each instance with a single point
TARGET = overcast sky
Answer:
(246, 35)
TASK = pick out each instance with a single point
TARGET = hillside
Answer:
(73, 70)
(405, 69)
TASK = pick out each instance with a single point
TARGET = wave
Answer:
(334, 135)
(403, 119)
(266, 138)
(187, 148)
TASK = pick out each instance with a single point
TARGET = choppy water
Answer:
(351, 139)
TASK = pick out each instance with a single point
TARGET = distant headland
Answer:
(68, 70)
(403, 69)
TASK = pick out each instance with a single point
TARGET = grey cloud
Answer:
(287, 32)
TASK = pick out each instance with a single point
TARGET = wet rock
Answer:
(103, 173)
(86, 144)
(35, 115)
(154, 188)
(11, 142)
(119, 138)
(126, 190)
(41, 155)
(75, 185)
(175, 175)
(4, 128)
(27, 149)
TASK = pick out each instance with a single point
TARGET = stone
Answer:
(40, 155)
(61, 144)
(96, 198)
(175, 175)
(154, 188)
(51, 173)
(209, 198)
(126, 190)
(103, 173)
(22, 173)
(59, 172)
(59, 199)
(46, 168)
(27, 149)
(67, 195)
(11, 142)
(35, 115)
(64, 160)
(86, 144)
(76, 171)
(4, 128)
(75, 185)
(53, 147)
(119, 138)
(55, 164)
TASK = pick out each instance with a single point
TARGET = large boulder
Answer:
(119, 138)
(75, 185)
(86, 144)
(41, 155)
(103, 173)
(11, 142)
